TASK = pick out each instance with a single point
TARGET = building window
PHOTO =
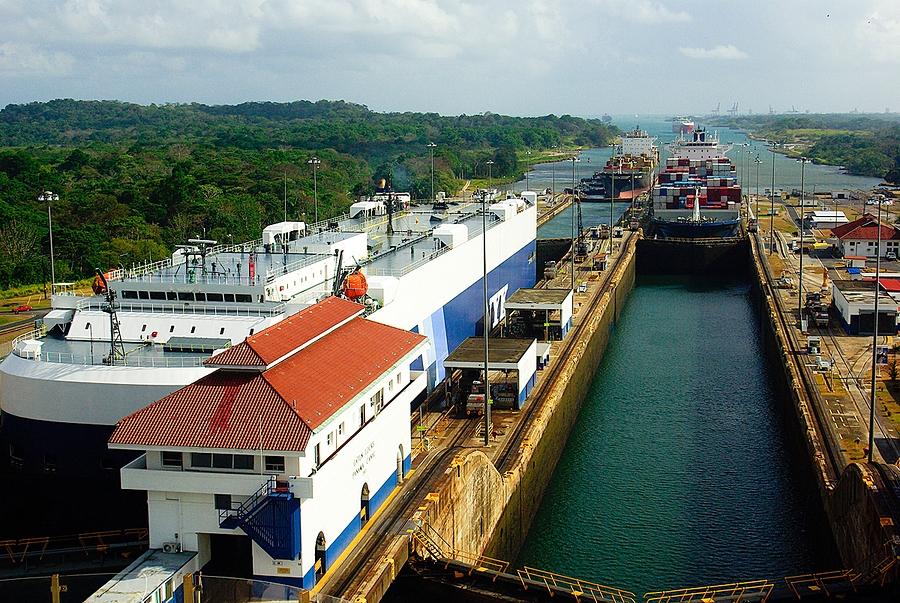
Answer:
(205, 460)
(341, 429)
(201, 459)
(275, 463)
(223, 501)
(330, 437)
(317, 455)
(377, 401)
(49, 463)
(144, 328)
(193, 329)
(362, 415)
(222, 331)
(172, 328)
(172, 459)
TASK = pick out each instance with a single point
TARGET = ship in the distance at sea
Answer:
(631, 169)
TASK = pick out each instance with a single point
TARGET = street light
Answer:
(49, 197)
(875, 342)
(758, 161)
(315, 163)
(574, 161)
(772, 212)
(527, 166)
(553, 182)
(803, 162)
(487, 323)
(431, 146)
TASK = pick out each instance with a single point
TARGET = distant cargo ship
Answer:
(631, 169)
(697, 195)
(682, 126)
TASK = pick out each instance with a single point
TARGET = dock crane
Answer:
(733, 111)
(717, 109)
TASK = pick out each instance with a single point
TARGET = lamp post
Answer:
(803, 161)
(875, 342)
(574, 161)
(553, 181)
(757, 161)
(431, 146)
(315, 163)
(49, 197)
(487, 323)
(527, 167)
(772, 212)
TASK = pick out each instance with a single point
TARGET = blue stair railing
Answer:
(266, 517)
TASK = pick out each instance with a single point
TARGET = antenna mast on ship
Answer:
(116, 347)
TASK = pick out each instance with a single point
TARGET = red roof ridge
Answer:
(277, 342)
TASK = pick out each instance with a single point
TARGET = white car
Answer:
(887, 201)
(871, 202)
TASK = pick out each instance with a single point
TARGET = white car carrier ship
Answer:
(64, 387)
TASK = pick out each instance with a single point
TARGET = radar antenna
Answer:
(116, 347)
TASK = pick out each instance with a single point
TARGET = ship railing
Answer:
(272, 274)
(34, 334)
(217, 278)
(368, 223)
(323, 224)
(235, 310)
(130, 361)
(475, 230)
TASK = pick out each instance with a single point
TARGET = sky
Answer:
(514, 57)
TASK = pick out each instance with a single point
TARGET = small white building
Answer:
(860, 238)
(292, 444)
(825, 219)
(854, 304)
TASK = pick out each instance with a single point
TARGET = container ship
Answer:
(697, 196)
(149, 329)
(630, 171)
(682, 126)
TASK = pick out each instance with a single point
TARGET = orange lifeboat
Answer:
(98, 286)
(355, 285)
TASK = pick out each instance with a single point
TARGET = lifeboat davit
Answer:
(98, 287)
(355, 285)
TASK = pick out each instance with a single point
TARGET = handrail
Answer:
(37, 333)
(242, 510)
(574, 585)
(820, 581)
(757, 590)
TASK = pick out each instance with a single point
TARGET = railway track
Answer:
(511, 443)
(394, 518)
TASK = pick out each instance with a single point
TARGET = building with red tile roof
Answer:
(860, 237)
(294, 419)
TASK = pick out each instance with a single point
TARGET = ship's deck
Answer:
(410, 246)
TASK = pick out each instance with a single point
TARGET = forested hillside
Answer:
(136, 180)
(866, 145)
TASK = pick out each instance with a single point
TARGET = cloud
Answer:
(646, 11)
(719, 52)
(25, 60)
(879, 34)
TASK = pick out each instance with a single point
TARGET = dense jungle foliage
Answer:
(133, 180)
(866, 145)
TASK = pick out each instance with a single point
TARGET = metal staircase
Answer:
(271, 517)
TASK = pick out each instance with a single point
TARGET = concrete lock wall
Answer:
(847, 501)
(478, 510)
